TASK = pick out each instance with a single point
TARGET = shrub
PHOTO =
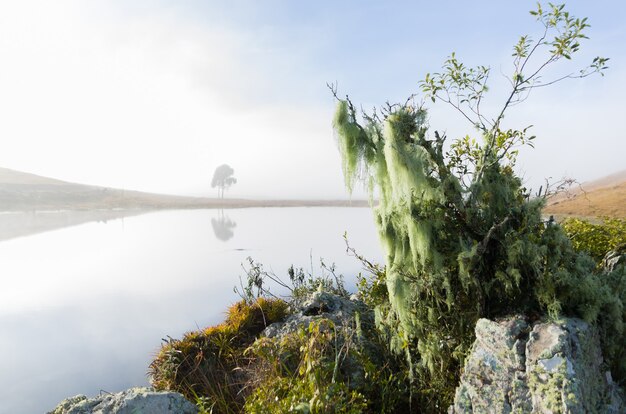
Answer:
(596, 239)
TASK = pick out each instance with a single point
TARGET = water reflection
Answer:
(26, 223)
(103, 296)
(223, 226)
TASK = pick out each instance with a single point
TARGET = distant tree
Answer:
(223, 178)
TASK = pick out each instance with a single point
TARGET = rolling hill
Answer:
(20, 191)
(23, 191)
(602, 197)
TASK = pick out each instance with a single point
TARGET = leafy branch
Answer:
(464, 88)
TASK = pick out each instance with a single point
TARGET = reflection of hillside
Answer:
(223, 227)
(24, 223)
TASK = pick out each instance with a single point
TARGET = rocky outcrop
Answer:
(352, 323)
(514, 367)
(340, 310)
(131, 401)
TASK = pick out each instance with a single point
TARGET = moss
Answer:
(203, 364)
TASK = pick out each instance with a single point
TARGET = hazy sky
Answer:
(154, 95)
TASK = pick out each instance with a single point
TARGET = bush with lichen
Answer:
(463, 237)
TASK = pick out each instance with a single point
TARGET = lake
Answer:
(84, 308)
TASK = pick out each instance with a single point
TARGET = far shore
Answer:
(161, 202)
(25, 192)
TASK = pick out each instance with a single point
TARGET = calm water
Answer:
(84, 308)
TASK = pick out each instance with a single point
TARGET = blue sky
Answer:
(153, 95)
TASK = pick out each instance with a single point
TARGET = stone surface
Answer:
(131, 401)
(545, 368)
(319, 305)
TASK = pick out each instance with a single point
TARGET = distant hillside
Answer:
(20, 191)
(12, 177)
(603, 197)
(24, 191)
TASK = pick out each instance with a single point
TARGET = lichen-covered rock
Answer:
(494, 376)
(546, 368)
(326, 357)
(338, 309)
(131, 401)
(350, 318)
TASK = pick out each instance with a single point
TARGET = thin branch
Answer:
(570, 76)
(448, 101)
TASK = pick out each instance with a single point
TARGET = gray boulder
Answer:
(131, 401)
(514, 367)
(322, 305)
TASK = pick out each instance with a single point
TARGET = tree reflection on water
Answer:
(223, 226)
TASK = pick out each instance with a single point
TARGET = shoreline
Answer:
(155, 202)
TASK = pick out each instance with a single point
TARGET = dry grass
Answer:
(208, 363)
(597, 201)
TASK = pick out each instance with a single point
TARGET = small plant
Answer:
(259, 282)
(324, 367)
